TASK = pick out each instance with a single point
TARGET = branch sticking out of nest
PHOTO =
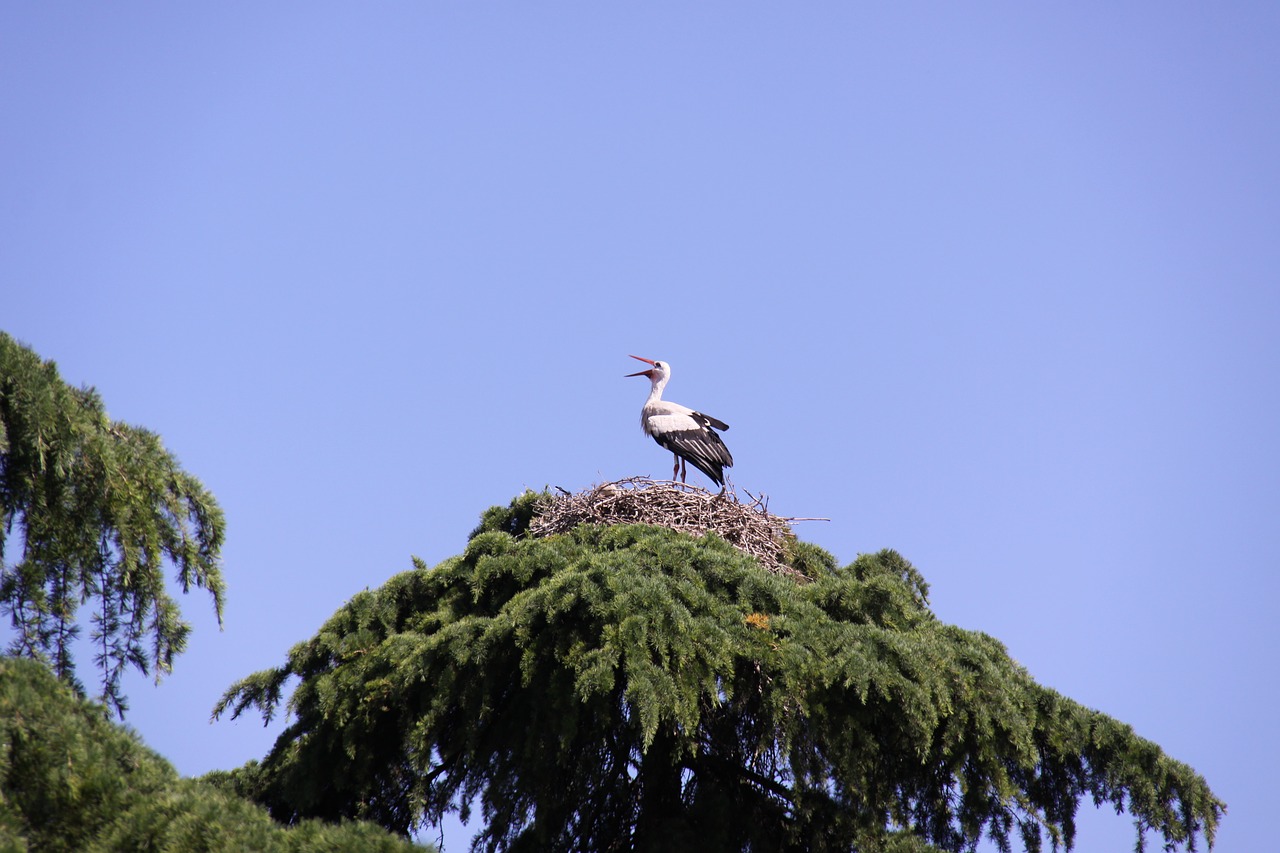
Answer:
(749, 527)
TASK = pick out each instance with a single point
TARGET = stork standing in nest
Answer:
(688, 434)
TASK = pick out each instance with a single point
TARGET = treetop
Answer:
(631, 686)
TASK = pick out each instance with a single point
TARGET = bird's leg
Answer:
(684, 470)
(675, 471)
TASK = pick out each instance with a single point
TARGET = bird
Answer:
(690, 435)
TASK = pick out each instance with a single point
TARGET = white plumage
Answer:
(690, 435)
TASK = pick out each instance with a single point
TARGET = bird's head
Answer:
(660, 369)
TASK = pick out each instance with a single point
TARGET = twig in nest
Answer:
(749, 527)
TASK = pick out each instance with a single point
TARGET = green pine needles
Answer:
(92, 511)
(73, 782)
(630, 687)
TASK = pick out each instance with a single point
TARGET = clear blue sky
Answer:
(996, 285)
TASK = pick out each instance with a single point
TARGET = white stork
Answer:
(688, 434)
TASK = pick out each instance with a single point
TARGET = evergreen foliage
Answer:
(633, 688)
(70, 780)
(98, 507)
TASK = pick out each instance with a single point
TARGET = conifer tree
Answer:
(70, 780)
(91, 511)
(630, 687)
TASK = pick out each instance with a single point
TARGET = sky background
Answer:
(996, 285)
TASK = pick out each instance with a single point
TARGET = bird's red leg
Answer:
(675, 472)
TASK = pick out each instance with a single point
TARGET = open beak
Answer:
(648, 373)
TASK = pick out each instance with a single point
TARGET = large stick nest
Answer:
(749, 527)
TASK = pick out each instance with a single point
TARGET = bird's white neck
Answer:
(659, 381)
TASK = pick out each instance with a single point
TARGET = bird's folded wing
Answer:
(685, 436)
(710, 421)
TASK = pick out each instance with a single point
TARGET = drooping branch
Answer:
(100, 508)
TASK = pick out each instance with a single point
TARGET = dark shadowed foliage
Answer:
(71, 780)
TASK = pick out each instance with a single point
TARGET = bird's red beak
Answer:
(648, 373)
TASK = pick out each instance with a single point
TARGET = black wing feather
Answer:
(702, 448)
(708, 421)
